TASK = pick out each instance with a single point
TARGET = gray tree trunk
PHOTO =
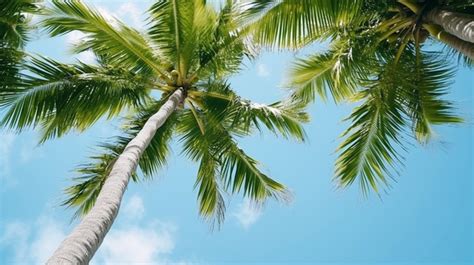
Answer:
(457, 24)
(80, 246)
(464, 47)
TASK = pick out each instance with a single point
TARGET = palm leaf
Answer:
(428, 84)
(295, 23)
(368, 152)
(337, 72)
(121, 44)
(231, 166)
(62, 97)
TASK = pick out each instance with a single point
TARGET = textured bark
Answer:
(80, 246)
(464, 47)
(457, 24)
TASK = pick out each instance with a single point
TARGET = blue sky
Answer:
(426, 218)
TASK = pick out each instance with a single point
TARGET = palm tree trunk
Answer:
(464, 47)
(457, 24)
(80, 246)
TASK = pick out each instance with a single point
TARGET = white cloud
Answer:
(75, 37)
(15, 235)
(87, 57)
(142, 242)
(262, 70)
(131, 11)
(47, 238)
(247, 213)
(134, 208)
(32, 247)
(137, 244)
(6, 144)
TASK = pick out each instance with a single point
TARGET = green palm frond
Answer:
(337, 72)
(241, 116)
(11, 60)
(241, 174)
(170, 20)
(406, 92)
(461, 58)
(428, 84)
(295, 23)
(213, 46)
(368, 152)
(62, 97)
(211, 202)
(177, 26)
(122, 45)
(15, 16)
(222, 51)
(93, 175)
(233, 170)
(15, 30)
(282, 117)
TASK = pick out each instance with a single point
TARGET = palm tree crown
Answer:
(376, 59)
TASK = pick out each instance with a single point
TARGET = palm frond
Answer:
(241, 116)
(173, 26)
(405, 92)
(337, 72)
(122, 45)
(210, 199)
(212, 47)
(241, 174)
(282, 117)
(221, 53)
(429, 83)
(368, 152)
(237, 171)
(62, 97)
(11, 60)
(15, 26)
(295, 23)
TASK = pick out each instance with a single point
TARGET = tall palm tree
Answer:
(375, 59)
(187, 52)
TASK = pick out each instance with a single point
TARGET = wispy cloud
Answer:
(134, 208)
(32, 243)
(130, 11)
(247, 213)
(7, 141)
(76, 37)
(262, 70)
(141, 241)
(138, 244)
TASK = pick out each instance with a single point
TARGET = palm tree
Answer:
(187, 52)
(375, 59)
